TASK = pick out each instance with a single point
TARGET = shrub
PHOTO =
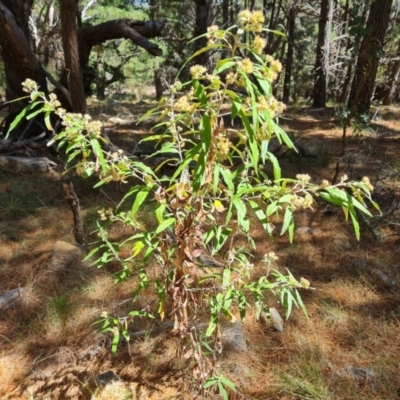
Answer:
(217, 186)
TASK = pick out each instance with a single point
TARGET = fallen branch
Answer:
(386, 280)
(20, 164)
(73, 202)
(8, 298)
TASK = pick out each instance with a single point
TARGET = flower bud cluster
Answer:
(251, 20)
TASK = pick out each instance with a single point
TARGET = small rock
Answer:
(360, 374)
(276, 319)
(106, 377)
(234, 336)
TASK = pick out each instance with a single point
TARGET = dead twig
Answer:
(73, 202)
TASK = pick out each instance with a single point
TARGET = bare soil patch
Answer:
(348, 349)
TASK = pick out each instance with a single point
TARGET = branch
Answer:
(136, 31)
(58, 85)
(73, 202)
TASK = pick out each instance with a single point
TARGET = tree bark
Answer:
(290, 52)
(273, 40)
(203, 20)
(136, 31)
(20, 63)
(369, 55)
(322, 59)
(393, 72)
(68, 12)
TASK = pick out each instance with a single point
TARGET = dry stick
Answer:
(73, 202)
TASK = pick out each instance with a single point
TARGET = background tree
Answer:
(322, 53)
(21, 62)
(69, 12)
(369, 55)
(293, 10)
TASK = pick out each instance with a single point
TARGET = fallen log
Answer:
(20, 164)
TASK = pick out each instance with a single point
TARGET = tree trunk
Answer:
(290, 52)
(225, 14)
(68, 12)
(393, 72)
(322, 59)
(273, 40)
(20, 63)
(369, 55)
(203, 20)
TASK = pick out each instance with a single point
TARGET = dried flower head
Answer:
(197, 71)
(259, 44)
(29, 86)
(251, 20)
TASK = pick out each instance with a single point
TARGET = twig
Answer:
(73, 202)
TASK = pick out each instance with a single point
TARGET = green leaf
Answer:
(160, 212)
(199, 91)
(275, 165)
(162, 227)
(340, 197)
(210, 382)
(265, 85)
(205, 131)
(261, 217)
(211, 328)
(99, 153)
(222, 65)
(228, 383)
(21, 115)
(254, 151)
(228, 178)
(222, 391)
(33, 114)
(139, 199)
(354, 220)
(301, 304)
(282, 135)
(236, 107)
(115, 341)
(287, 220)
(240, 208)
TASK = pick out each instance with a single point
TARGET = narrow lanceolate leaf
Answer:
(342, 198)
(288, 223)
(205, 131)
(19, 117)
(354, 220)
(254, 151)
(140, 198)
(222, 65)
(282, 135)
(261, 217)
(162, 227)
(275, 166)
(200, 93)
(99, 153)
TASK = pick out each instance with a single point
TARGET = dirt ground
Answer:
(348, 349)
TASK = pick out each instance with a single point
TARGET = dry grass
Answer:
(348, 349)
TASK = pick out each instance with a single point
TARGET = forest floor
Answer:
(348, 349)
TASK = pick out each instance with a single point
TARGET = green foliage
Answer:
(63, 308)
(216, 186)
